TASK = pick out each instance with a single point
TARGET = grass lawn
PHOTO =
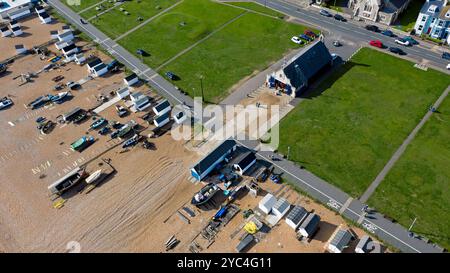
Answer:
(337, 5)
(355, 120)
(78, 5)
(258, 8)
(89, 13)
(418, 185)
(247, 45)
(115, 22)
(164, 37)
(408, 18)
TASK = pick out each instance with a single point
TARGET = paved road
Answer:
(356, 32)
(394, 234)
(144, 72)
(371, 189)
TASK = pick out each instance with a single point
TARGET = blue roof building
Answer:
(434, 20)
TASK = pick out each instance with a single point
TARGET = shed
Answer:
(123, 93)
(66, 36)
(90, 65)
(17, 31)
(281, 207)
(80, 59)
(267, 203)
(72, 114)
(340, 241)
(142, 103)
(296, 216)
(367, 245)
(244, 161)
(20, 49)
(310, 225)
(72, 48)
(54, 34)
(45, 18)
(19, 13)
(135, 96)
(99, 70)
(161, 108)
(162, 120)
(295, 74)
(213, 159)
(5, 31)
(62, 44)
(131, 79)
(39, 9)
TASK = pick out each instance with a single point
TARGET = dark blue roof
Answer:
(161, 118)
(69, 47)
(311, 223)
(130, 77)
(212, 157)
(244, 159)
(162, 105)
(94, 62)
(307, 63)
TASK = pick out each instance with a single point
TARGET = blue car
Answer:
(411, 40)
(305, 37)
(388, 33)
(446, 55)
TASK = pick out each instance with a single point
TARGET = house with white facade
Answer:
(382, 11)
(434, 20)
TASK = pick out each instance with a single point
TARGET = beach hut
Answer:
(5, 31)
(66, 36)
(17, 31)
(296, 216)
(367, 245)
(244, 161)
(14, 23)
(93, 63)
(281, 207)
(123, 93)
(161, 108)
(80, 59)
(213, 159)
(65, 28)
(162, 120)
(266, 204)
(54, 34)
(142, 103)
(39, 9)
(72, 48)
(19, 13)
(179, 117)
(45, 18)
(20, 49)
(131, 79)
(60, 45)
(340, 241)
(99, 70)
(135, 96)
(309, 225)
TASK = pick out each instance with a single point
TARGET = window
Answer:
(436, 32)
(367, 8)
(420, 28)
(424, 18)
(432, 21)
(440, 23)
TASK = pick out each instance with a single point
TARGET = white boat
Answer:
(93, 177)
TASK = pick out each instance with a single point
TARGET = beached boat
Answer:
(98, 123)
(2, 68)
(80, 117)
(131, 142)
(82, 143)
(93, 177)
(40, 101)
(60, 97)
(205, 194)
(67, 182)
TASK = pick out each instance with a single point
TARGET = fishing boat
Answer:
(131, 142)
(82, 143)
(80, 117)
(98, 123)
(2, 68)
(205, 194)
(94, 177)
(67, 182)
(126, 128)
(60, 97)
(39, 101)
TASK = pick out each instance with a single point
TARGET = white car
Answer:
(402, 42)
(296, 40)
(448, 66)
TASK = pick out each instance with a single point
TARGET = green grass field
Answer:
(257, 8)
(418, 184)
(78, 5)
(355, 120)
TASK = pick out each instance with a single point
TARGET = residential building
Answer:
(15, 9)
(382, 11)
(434, 20)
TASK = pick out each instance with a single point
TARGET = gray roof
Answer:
(297, 214)
(311, 223)
(65, 34)
(214, 155)
(428, 4)
(341, 239)
(306, 64)
(281, 205)
(364, 245)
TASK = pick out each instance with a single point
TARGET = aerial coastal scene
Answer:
(224, 126)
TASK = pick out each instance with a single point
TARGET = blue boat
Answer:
(98, 123)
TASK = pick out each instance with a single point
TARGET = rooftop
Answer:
(6, 5)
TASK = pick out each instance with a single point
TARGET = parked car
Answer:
(306, 37)
(73, 85)
(121, 111)
(310, 33)
(397, 50)
(376, 43)
(325, 13)
(105, 130)
(5, 102)
(296, 40)
(170, 75)
(337, 43)
(340, 18)
(446, 55)
(372, 28)
(411, 40)
(448, 66)
(402, 42)
(388, 33)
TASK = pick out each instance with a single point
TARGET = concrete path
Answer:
(380, 177)
(90, 7)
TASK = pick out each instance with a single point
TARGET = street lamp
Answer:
(201, 86)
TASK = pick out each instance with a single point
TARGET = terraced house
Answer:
(382, 11)
(434, 20)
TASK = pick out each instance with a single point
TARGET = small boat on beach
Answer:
(98, 123)
(82, 143)
(93, 177)
(67, 182)
(60, 97)
(205, 194)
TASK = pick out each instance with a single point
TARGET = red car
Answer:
(310, 33)
(376, 43)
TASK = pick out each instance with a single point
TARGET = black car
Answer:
(372, 28)
(170, 75)
(339, 17)
(446, 55)
(397, 50)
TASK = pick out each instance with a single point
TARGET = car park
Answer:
(397, 50)
(296, 40)
(340, 18)
(376, 43)
(372, 28)
(388, 33)
(446, 55)
(402, 42)
(325, 13)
